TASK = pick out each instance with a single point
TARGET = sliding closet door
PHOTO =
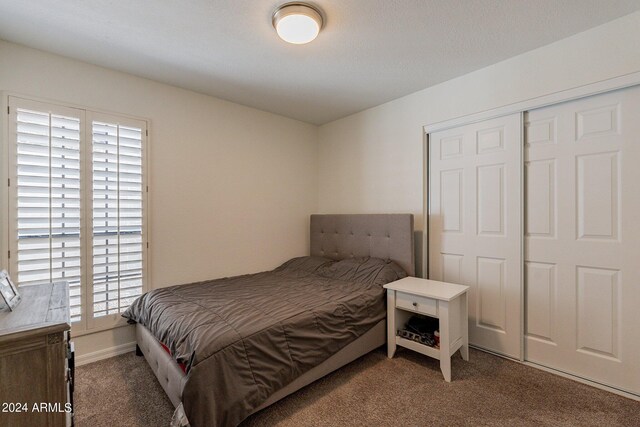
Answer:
(582, 244)
(475, 227)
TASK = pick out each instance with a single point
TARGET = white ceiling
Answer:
(369, 52)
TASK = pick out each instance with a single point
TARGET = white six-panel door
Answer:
(582, 238)
(475, 226)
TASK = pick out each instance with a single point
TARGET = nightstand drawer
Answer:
(417, 303)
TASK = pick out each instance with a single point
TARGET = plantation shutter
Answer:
(117, 220)
(47, 234)
(77, 206)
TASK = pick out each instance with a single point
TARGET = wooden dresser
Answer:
(36, 359)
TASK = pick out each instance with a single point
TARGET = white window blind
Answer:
(77, 206)
(117, 217)
(48, 201)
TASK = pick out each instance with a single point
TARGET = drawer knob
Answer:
(415, 304)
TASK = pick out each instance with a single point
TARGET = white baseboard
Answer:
(105, 353)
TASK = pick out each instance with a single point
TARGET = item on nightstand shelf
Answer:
(421, 329)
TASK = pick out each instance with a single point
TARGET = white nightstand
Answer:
(444, 301)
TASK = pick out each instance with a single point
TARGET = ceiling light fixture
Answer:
(297, 23)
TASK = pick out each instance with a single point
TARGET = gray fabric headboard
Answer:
(386, 236)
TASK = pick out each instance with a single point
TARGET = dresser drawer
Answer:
(417, 303)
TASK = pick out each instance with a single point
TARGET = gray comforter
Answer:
(245, 337)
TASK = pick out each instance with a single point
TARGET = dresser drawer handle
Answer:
(415, 304)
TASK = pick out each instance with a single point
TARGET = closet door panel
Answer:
(582, 209)
(475, 229)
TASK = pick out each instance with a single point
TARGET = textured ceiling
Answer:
(369, 52)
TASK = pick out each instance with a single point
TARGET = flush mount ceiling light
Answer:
(297, 23)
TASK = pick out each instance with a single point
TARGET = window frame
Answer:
(8, 173)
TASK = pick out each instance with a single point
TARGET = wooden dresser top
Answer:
(44, 310)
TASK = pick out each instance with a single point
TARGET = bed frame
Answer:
(386, 236)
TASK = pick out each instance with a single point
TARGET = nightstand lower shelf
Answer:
(420, 348)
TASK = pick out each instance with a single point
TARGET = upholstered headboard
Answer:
(386, 236)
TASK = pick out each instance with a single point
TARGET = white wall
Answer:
(371, 162)
(231, 187)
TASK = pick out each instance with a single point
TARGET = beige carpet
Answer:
(374, 391)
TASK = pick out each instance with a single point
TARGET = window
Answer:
(77, 206)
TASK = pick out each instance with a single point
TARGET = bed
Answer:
(227, 348)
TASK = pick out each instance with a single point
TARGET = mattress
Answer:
(243, 338)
